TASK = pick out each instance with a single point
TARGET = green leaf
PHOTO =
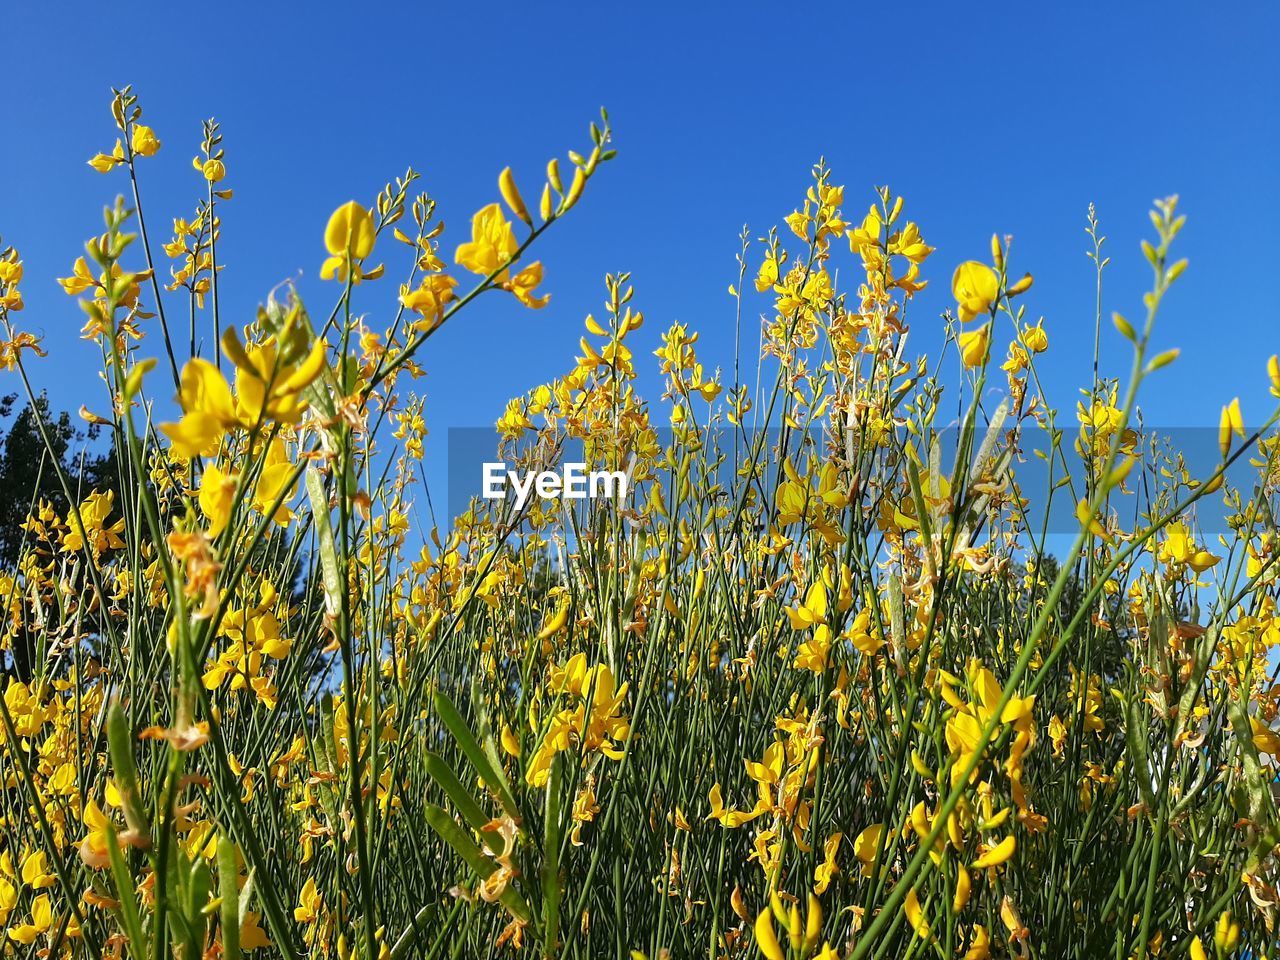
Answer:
(230, 905)
(324, 533)
(552, 833)
(481, 865)
(448, 781)
(120, 747)
(1139, 752)
(129, 917)
(491, 775)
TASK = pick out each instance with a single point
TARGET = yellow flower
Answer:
(863, 634)
(915, 915)
(813, 611)
(429, 299)
(998, 854)
(1231, 422)
(349, 238)
(91, 526)
(975, 287)
(731, 819)
(35, 871)
(964, 728)
(268, 385)
(865, 846)
(510, 742)
(963, 888)
(41, 921)
(593, 721)
(276, 471)
(974, 345)
(211, 170)
(824, 872)
(766, 939)
(144, 140)
(768, 275)
(980, 945)
(310, 903)
(523, 284)
(217, 493)
(511, 194)
(104, 162)
(1179, 548)
(813, 653)
(1265, 740)
(1226, 933)
(208, 410)
(8, 899)
(1035, 339)
(80, 279)
(252, 936)
(492, 244)
(96, 845)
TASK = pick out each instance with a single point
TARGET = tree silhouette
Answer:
(28, 466)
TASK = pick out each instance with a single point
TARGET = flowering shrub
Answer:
(812, 690)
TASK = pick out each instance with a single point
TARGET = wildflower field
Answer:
(826, 683)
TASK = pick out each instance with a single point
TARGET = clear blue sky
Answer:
(989, 117)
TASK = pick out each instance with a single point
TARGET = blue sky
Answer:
(986, 118)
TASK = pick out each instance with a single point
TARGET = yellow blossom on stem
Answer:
(349, 238)
(492, 244)
(975, 287)
(975, 345)
(103, 162)
(217, 493)
(208, 410)
(429, 299)
(144, 141)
